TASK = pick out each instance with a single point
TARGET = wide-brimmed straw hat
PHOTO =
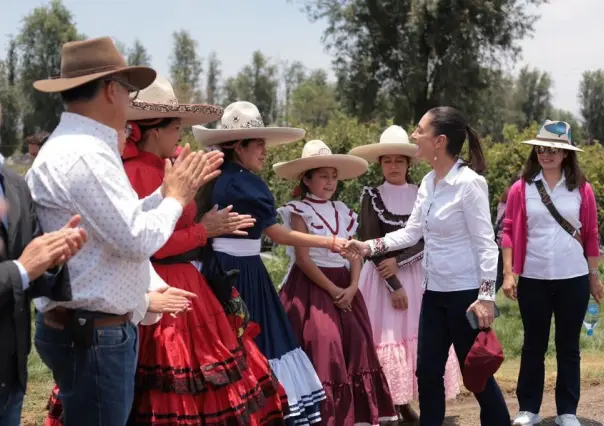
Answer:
(556, 134)
(89, 60)
(242, 120)
(316, 154)
(159, 101)
(393, 141)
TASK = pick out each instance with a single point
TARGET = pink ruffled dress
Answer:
(395, 332)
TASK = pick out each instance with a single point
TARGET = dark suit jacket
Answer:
(15, 311)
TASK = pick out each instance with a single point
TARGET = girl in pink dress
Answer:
(392, 285)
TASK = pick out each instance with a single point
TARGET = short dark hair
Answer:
(85, 92)
(453, 124)
(570, 166)
(38, 138)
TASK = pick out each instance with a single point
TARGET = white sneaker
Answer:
(526, 418)
(567, 420)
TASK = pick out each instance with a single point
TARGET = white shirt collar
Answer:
(452, 175)
(541, 177)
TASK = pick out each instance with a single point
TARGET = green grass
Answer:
(510, 331)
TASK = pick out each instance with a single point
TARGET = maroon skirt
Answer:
(340, 346)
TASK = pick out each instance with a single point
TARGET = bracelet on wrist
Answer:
(594, 271)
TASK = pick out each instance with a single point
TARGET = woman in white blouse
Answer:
(451, 213)
(557, 264)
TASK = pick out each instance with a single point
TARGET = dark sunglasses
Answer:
(547, 150)
(132, 90)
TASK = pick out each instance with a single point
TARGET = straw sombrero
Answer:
(159, 101)
(393, 141)
(556, 134)
(242, 120)
(94, 59)
(316, 154)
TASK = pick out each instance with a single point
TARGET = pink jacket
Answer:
(515, 229)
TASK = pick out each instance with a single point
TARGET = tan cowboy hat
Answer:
(242, 120)
(159, 101)
(393, 141)
(316, 154)
(556, 134)
(89, 60)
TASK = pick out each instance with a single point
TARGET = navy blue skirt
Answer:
(277, 340)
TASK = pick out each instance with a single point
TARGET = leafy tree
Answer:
(591, 100)
(138, 55)
(256, 83)
(293, 75)
(427, 53)
(9, 99)
(532, 96)
(185, 67)
(213, 79)
(39, 43)
(314, 102)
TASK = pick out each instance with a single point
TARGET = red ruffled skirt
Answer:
(201, 368)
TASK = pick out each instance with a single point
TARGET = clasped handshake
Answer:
(351, 249)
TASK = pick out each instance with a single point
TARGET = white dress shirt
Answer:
(551, 253)
(79, 171)
(454, 219)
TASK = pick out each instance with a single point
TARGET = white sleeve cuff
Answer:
(486, 291)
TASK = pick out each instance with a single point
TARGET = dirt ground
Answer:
(591, 409)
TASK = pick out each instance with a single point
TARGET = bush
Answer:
(504, 161)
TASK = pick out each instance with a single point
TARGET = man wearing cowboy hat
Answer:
(90, 343)
(25, 256)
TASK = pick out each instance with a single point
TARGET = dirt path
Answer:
(591, 409)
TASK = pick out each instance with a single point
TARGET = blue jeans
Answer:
(96, 385)
(442, 323)
(11, 403)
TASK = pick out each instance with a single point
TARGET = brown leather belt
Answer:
(60, 317)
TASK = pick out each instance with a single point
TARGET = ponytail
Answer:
(477, 161)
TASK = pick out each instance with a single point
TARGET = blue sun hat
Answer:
(556, 134)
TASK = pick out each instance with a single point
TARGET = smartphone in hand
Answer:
(473, 319)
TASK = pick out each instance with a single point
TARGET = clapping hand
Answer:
(225, 222)
(190, 171)
(170, 300)
(53, 248)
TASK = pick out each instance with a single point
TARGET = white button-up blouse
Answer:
(454, 219)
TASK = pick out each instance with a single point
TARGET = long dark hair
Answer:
(203, 198)
(453, 124)
(570, 166)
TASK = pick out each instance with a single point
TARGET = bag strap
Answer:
(545, 198)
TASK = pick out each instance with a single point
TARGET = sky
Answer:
(566, 42)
